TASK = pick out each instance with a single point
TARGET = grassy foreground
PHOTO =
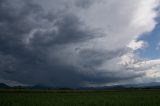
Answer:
(80, 98)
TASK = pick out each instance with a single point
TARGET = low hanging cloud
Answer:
(74, 43)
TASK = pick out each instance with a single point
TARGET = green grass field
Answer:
(80, 98)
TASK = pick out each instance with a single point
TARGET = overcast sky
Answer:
(79, 43)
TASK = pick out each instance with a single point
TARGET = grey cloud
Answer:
(29, 35)
(67, 30)
(93, 58)
(7, 64)
(84, 3)
(33, 66)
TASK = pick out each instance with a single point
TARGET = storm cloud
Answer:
(71, 44)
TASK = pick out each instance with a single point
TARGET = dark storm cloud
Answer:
(93, 58)
(84, 3)
(68, 31)
(19, 63)
(29, 36)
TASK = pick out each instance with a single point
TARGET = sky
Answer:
(79, 43)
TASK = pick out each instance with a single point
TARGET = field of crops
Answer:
(80, 98)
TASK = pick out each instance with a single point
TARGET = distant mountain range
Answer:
(2, 85)
(154, 85)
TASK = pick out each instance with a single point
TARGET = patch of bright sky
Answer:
(153, 40)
